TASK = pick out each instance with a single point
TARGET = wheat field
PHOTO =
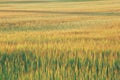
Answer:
(44, 40)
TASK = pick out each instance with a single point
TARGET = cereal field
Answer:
(52, 40)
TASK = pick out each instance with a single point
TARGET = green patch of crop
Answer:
(26, 65)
